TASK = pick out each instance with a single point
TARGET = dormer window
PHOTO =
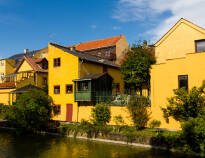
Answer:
(200, 45)
(107, 53)
(99, 53)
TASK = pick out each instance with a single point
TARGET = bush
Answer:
(100, 115)
(193, 134)
(138, 111)
(154, 124)
(184, 105)
(32, 111)
(130, 134)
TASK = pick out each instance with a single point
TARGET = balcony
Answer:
(93, 88)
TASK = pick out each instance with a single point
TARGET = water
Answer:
(13, 146)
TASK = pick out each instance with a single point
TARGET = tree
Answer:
(138, 111)
(186, 104)
(135, 67)
(101, 114)
(32, 110)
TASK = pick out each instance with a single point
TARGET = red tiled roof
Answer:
(97, 44)
(7, 85)
(33, 63)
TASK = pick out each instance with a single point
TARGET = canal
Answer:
(13, 146)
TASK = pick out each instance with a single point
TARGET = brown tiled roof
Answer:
(97, 44)
(33, 63)
(7, 85)
(86, 57)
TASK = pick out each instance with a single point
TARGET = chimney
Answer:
(72, 48)
(26, 51)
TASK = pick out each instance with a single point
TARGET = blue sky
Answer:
(33, 23)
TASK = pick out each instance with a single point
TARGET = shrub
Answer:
(130, 134)
(184, 105)
(32, 111)
(154, 124)
(101, 115)
(193, 134)
(138, 111)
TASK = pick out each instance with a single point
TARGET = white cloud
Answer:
(93, 26)
(150, 10)
(116, 28)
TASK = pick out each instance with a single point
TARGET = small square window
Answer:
(183, 81)
(69, 88)
(44, 80)
(107, 53)
(56, 62)
(2, 63)
(56, 89)
(99, 53)
(200, 45)
(57, 109)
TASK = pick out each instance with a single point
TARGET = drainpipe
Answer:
(36, 78)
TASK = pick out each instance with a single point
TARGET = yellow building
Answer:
(180, 56)
(73, 80)
(30, 73)
(7, 66)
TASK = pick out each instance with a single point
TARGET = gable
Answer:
(24, 67)
(179, 41)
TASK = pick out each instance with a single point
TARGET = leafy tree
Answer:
(193, 134)
(32, 110)
(135, 67)
(101, 114)
(138, 111)
(184, 105)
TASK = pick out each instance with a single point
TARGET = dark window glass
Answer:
(83, 86)
(117, 88)
(56, 89)
(44, 80)
(104, 69)
(183, 81)
(57, 109)
(200, 46)
(56, 62)
(69, 88)
(107, 53)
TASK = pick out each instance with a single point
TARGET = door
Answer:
(69, 112)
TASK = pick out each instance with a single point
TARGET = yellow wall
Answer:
(43, 53)
(164, 78)
(5, 98)
(7, 67)
(179, 41)
(85, 113)
(61, 76)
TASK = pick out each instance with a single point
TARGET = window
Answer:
(117, 88)
(99, 53)
(45, 81)
(56, 62)
(183, 81)
(2, 63)
(107, 53)
(200, 45)
(83, 86)
(57, 109)
(69, 88)
(2, 76)
(104, 68)
(56, 89)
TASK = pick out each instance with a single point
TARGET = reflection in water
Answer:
(12, 146)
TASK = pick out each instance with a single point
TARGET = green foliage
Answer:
(32, 111)
(136, 65)
(155, 124)
(119, 120)
(193, 134)
(130, 134)
(138, 111)
(5, 111)
(101, 114)
(184, 105)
